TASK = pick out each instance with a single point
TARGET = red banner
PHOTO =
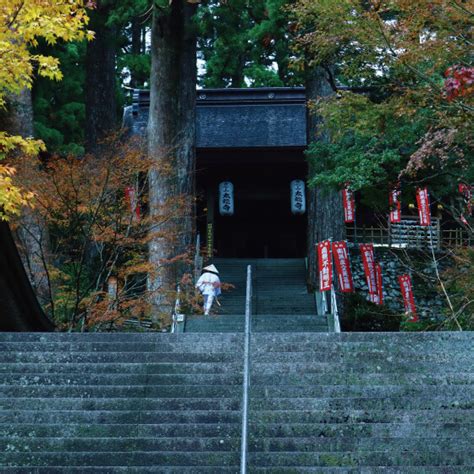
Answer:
(466, 191)
(408, 299)
(131, 197)
(349, 205)
(378, 273)
(423, 201)
(343, 266)
(325, 265)
(367, 252)
(395, 206)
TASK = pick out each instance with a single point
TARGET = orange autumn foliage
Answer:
(96, 235)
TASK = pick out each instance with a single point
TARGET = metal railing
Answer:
(177, 318)
(335, 311)
(246, 377)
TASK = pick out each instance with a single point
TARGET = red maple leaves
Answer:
(459, 82)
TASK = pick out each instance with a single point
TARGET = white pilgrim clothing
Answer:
(209, 285)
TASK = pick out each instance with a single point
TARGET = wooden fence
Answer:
(409, 234)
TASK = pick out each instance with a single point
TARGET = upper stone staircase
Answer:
(280, 303)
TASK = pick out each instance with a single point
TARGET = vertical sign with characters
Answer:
(408, 298)
(226, 198)
(368, 259)
(325, 265)
(423, 201)
(349, 205)
(343, 267)
(378, 273)
(298, 197)
(395, 206)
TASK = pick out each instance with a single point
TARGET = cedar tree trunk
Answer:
(325, 211)
(101, 104)
(171, 145)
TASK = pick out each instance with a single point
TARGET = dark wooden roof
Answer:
(238, 118)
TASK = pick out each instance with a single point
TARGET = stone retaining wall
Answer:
(395, 262)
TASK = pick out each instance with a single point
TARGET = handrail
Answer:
(246, 378)
(197, 258)
(176, 317)
(335, 311)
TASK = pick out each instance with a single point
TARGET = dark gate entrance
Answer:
(262, 225)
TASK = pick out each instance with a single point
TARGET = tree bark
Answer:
(100, 87)
(171, 145)
(325, 211)
(32, 233)
(136, 47)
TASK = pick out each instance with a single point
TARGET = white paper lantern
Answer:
(298, 196)
(226, 198)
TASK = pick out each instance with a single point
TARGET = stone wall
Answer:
(429, 301)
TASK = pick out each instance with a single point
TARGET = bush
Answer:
(362, 315)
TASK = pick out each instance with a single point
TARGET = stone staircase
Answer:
(120, 402)
(280, 303)
(358, 402)
(171, 403)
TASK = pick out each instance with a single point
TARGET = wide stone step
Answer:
(356, 366)
(363, 379)
(264, 470)
(364, 430)
(123, 430)
(185, 416)
(131, 380)
(114, 444)
(355, 391)
(395, 338)
(169, 347)
(126, 337)
(120, 391)
(119, 458)
(122, 404)
(121, 368)
(108, 357)
(366, 403)
(118, 469)
(363, 459)
(357, 445)
(388, 347)
(349, 416)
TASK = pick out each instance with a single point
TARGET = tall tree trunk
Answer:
(171, 145)
(136, 46)
(32, 233)
(101, 103)
(325, 211)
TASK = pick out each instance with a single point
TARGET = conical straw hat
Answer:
(211, 268)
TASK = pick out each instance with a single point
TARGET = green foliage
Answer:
(371, 142)
(59, 108)
(245, 44)
(408, 123)
(362, 315)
